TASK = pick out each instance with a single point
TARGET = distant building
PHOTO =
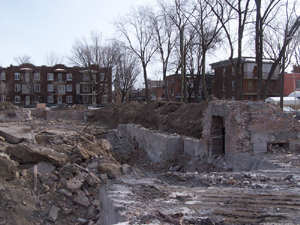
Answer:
(226, 79)
(174, 86)
(26, 85)
(292, 81)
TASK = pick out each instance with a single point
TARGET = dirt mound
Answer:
(6, 106)
(172, 117)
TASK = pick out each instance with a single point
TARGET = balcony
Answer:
(250, 75)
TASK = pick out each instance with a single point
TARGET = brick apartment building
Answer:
(292, 81)
(26, 85)
(226, 79)
(174, 87)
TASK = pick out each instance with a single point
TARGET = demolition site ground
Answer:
(62, 171)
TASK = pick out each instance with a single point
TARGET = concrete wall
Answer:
(15, 115)
(160, 147)
(59, 114)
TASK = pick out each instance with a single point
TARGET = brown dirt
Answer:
(163, 116)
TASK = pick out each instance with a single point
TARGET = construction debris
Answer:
(54, 173)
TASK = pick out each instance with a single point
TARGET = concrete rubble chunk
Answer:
(126, 169)
(45, 167)
(80, 152)
(29, 153)
(53, 213)
(65, 192)
(16, 134)
(81, 199)
(75, 183)
(8, 168)
(112, 170)
(92, 180)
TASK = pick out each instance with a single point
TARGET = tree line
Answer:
(179, 35)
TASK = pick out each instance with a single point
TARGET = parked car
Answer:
(289, 110)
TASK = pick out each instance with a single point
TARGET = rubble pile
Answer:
(56, 178)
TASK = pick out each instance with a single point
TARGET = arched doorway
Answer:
(217, 135)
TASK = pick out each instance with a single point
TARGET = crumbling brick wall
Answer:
(249, 126)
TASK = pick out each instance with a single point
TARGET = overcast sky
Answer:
(38, 27)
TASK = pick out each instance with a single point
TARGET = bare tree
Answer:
(165, 38)
(126, 73)
(292, 24)
(22, 59)
(138, 32)
(179, 12)
(228, 12)
(53, 58)
(208, 29)
(92, 55)
(262, 20)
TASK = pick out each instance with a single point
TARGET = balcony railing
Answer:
(250, 75)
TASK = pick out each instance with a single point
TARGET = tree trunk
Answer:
(182, 64)
(146, 81)
(165, 81)
(203, 80)
(259, 49)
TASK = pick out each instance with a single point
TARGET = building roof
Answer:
(244, 59)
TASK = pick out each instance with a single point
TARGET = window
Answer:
(85, 99)
(224, 72)
(25, 88)
(59, 99)
(223, 86)
(59, 77)
(50, 99)
(104, 98)
(233, 71)
(77, 89)
(86, 77)
(3, 98)
(69, 99)
(26, 77)
(17, 87)
(17, 99)
(85, 88)
(298, 84)
(69, 77)
(102, 76)
(37, 76)
(233, 85)
(250, 85)
(50, 87)
(3, 76)
(61, 89)
(17, 76)
(49, 76)
(69, 87)
(37, 88)
(2, 87)
(94, 78)
(94, 100)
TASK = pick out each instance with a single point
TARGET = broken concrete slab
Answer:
(81, 199)
(112, 170)
(16, 134)
(53, 213)
(8, 168)
(29, 153)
